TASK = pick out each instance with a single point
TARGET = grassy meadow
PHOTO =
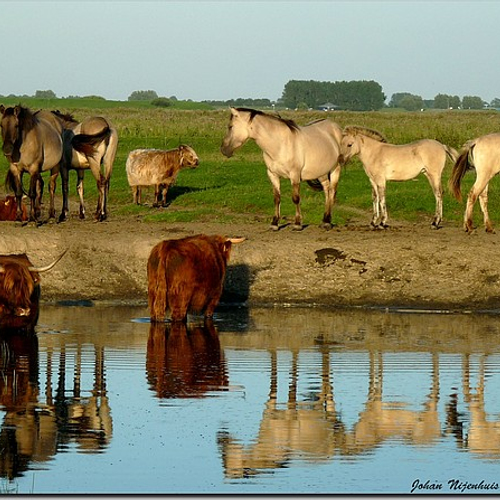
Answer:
(237, 189)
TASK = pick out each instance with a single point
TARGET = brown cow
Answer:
(8, 209)
(187, 274)
(147, 167)
(20, 289)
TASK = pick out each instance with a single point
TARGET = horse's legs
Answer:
(79, 189)
(478, 187)
(330, 190)
(383, 206)
(275, 181)
(52, 190)
(483, 202)
(64, 182)
(435, 182)
(297, 225)
(18, 192)
(376, 205)
(102, 188)
(35, 191)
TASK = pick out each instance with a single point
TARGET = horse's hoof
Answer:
(297, 227)
(274, 227)
(326, 225)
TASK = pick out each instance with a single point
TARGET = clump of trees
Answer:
(354, 95)
(412, 102)
(143, 95)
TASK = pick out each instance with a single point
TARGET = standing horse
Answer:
(34, 145)
(483, 154)
(92, 144)
(389, 162)
(309, 153)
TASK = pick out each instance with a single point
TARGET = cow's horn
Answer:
(50, 266)
(236, 240)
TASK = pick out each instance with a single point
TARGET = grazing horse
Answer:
(309, 153)
(483, 154)
(90, 144)
(34, 145)
(389, 162)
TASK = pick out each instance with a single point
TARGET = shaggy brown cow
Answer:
(147, 167)
(8, 209)
(20, 290)
(187, 275)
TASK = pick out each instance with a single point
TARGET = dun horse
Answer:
(34, 145)
(91, 144)
(389, 162)
(483, 154)
(309, 153)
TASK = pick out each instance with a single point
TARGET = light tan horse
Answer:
(309, 153)
(483, 154)
(90, 144)
(389, 162)
(34, 145)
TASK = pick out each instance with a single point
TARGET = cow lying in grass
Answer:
(148, 167)
(187, 275)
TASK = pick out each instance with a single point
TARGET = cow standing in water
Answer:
(148, 167)
(20, 289)
(187, 275)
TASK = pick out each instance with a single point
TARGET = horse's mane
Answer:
(367, 132)
(67, 117)
(27, 119)
(254, 112)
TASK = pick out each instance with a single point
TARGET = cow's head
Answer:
(189, 158)
(19, 282)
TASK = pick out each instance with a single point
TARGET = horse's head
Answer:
(10, 130)
(238, 131)
(349, 146)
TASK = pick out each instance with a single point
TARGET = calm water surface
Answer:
(263, 401)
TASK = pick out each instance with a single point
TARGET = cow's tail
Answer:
(87, 143)
(463, 163)
(157, 284)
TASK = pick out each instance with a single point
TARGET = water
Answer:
(264, 401)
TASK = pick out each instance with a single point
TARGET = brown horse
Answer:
(92, 144)
(34, 145)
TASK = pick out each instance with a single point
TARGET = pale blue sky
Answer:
(226, 49)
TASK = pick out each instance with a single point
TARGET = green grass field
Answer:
(237, 189)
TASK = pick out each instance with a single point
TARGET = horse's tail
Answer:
(315, 184)
(451, 152)
(463, 163)
(87, 143)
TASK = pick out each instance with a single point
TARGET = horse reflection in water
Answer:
(33, 430)
(483, 436)
(185, 361)
(313, 430)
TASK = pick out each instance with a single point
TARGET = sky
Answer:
(221, 50)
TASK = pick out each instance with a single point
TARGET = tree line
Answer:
(310, 94)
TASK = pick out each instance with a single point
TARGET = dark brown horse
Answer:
(34, 145)
(92, 144)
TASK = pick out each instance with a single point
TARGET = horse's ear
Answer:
(17, 110)
(234, 111)
(2, 108)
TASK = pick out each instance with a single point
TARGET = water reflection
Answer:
(335, 393)
(41, 417)
(185, 361)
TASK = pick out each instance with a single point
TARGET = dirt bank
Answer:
(404, 266)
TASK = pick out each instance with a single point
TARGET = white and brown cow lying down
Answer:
(159, 168)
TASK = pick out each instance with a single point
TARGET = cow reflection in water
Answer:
(34, 430)
(185, 361)
(313, 430)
